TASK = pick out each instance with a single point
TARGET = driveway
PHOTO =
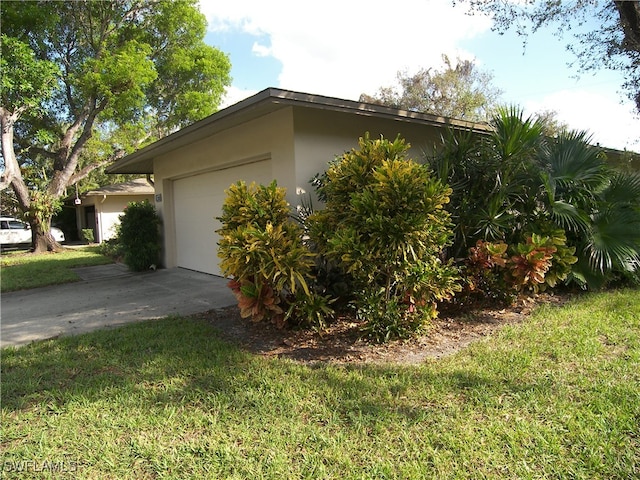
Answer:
(108, 296)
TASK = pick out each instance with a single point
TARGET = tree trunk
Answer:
(41, 238)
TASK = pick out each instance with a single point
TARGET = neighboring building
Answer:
(275, 134)
(100, 209)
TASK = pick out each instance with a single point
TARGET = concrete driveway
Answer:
(107, 296)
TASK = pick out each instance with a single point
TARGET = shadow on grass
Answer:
(179, 361)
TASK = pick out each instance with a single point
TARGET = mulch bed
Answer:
(342, 341)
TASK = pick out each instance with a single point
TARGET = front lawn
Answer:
(25, 270)
(557, 396)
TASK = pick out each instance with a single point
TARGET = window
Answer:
(16, 225)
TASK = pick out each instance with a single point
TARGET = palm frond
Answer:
(615, 240)
(574, 164)
(568, 217)
(623, 188)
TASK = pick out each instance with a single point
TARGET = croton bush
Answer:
(261, 249)
(384, 226)
(489, 217)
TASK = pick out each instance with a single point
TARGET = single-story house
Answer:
(276, 134)
(100, 209)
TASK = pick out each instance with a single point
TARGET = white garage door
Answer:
(198, 201)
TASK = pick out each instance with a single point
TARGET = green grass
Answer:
(25, 270)
(557, 396)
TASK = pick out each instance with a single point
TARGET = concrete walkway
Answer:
(107, 296)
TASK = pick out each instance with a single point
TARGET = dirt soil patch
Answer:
(342, 341)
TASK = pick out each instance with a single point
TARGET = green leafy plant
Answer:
(87, 235)
(112, 248)
(530, 263)
(385, 226)
(139, 235)
(496, 271)
(261, 248)
(508, 183)
(483, 273)
(313, 310)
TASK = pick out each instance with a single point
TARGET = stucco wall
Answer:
(297, 142)
(108, 210)
(320, 136)
(267, 137)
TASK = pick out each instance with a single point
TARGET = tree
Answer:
(606, 33)
(458, 91)
(84, 82)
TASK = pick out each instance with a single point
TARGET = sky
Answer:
(343, 48)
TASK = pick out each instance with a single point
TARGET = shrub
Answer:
(484, 274)
(497, 271)
(508, 182)
(385, 226)
(87, 235)
(112, 248)
(140, 235)
(261, 248)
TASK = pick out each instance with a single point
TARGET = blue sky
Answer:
(343, 49)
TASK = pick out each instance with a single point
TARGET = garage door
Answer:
(197, 202)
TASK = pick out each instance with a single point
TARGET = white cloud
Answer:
(611, 123)
(261, 50)
(345, 48)
(234, 95)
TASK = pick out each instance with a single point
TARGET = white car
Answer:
(14, 233)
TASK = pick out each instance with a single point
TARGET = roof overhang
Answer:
(263, 103)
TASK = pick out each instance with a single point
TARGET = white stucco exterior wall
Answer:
(108, 209)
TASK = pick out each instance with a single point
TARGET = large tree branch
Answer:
(68, 164)
(87, 132)
(85, 171)
(11, 167)
(41, 151)
(629, 12)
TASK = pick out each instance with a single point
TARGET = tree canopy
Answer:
(606, 34)
(459, 90)
(85, 82)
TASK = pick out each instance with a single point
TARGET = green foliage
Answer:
(139, 235)
(516, 181)
(530, 263)
(384, 226)
(459, 90)
(313, 310)
(112, 248)
(483, 273)
(25, 81)
(87, 235)
(262, 249)
(42, 207)
(89, 81)
(497, 271)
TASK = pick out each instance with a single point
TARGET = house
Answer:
(276, 134)
(99, 210)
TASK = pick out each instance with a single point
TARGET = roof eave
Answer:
(267, 101)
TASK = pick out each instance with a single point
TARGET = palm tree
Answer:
(516, 181)
(494, 192)
(598, 207)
